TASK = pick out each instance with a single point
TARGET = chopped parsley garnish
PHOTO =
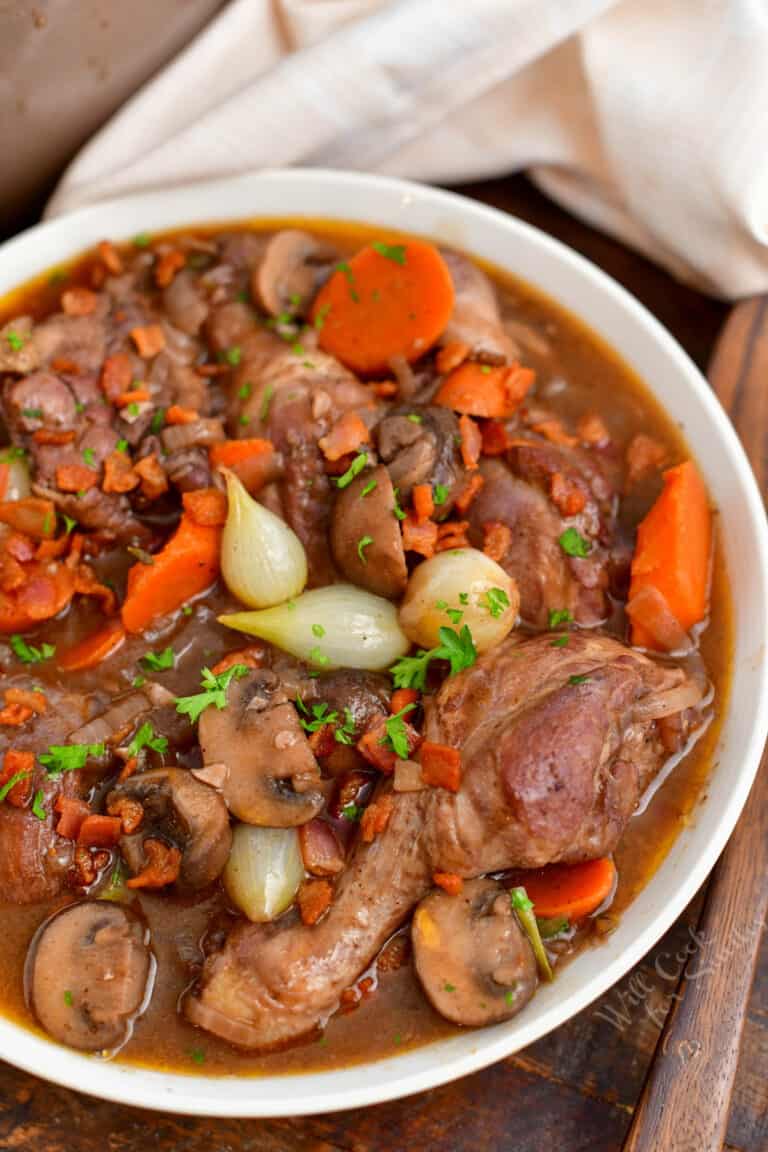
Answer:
(369, 487)
(79, 407)
(244, 420)
(159, 661)
(142, 240)
(13, 452)
(32, 413)
(214, 692)
(133, 408)
(69, 757)
(318, 657)
(197, 1055)
(242, 297)
(244, 391)
(233, 355)
(399, 514)
(187, 609)
(497, 600)
(318, 630)
(68, 998)
(449, 987)
(294, 300)
(485, 369)
(415, 418)
(396, 736)
(558, 616)
(321, 315)
(453, 614)
(351, 812)
(320, 716)
(509, 995)
(552, 926)
(89, 458)
(157, 420)
(363, 543)
(456, 647)
(38, 805)
(345, 733)
(145, 738)
(298, 348)
(354, 469)
(9, 784)
(14, 341)
(140, 554)
(347, 272)
(560, 641)
(393, 252)
(138, 681)
(121, 446)
(577, 679)
(574, 544)
(28, 654)
(439, 493)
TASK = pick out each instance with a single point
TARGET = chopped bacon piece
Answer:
(421, 538)
(321, 851)
(149, 340)
(451, 355)
(128, 769)
(110, 257)
(452, 534)
(14, 715)
(78, 301)
(346, 436)
(553, 431)
(449, 882)
(592, 430)
(206, 506)
(16, 762)
(322, 741)
(497, 539)
(375, 748)
(252, 657)
(119, 475)
(314, 899)
(469, 491)
(129, 811)
(75, 478)
(154, 481)
(440, 766)
(376, 817)
(87, 584)
(566, 495)
(471, 441)
(88, 864)
(116, 375)
(167, 266)
(35, 701)
(496, 438)
(72, 813)
(163, 865)
(99, 831)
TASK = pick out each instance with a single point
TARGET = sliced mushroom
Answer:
(88, 974)
(472, 958)
(423, 451)
(287, 276)
(111, 726)
(366, 541)
(180, 809)
(273, 776)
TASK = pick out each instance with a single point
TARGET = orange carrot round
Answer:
(388, 300)
(94, 648)
(481, 390)
(186, 566)
(568, 890)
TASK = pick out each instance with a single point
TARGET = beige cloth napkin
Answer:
(647, 117)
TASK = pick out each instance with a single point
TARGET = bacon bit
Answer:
(322, 741)
(110, 257)
(16, 761)
(149, 340)
(167, 266)
(85, 866)
(553, 431)
(87, 585)
(566, 495)
(35, 701)
(349, 999)
(78, 301)
(21, 547)
(211, 369)
(592, 430)
(75, 478)
(251, 657)
(451, 355)
(129, 811)
(497, 539)
(163, 867)
(128, 769)
(469, 491)
(346, 436)
(76, 545)
(385, 389)
(471, 441)
(421, 538)
(12, 574)
(31, 516)
(375, 818)
(402, 697)
(99, 831)
(119, 475)
(314, 899)
(154, 481)
(51, 436)
(440, 766)
(452, 534)
(496, 438)
(133, 396)
(65, 366)
(53, 549)
(116, 375)
(449, 882)
(206, 506)
(178, 415)
(72, 813)
(423, 502)
(644, 455)
(14, 715)
(394, 954)
(320, 848)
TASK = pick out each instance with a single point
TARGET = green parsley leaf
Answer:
(244, 420)
(68, 998)
(393, 252)
(449, 987)
(485, 369)
(14, 341)
(140, 554)
(142, 240)
(158, 420)
(362, 544)
(509, 995)
(497, 600)
(439, 493)
(574, 544)
(121, 446)
(560, 641)
(347, 272)
(354, 469)
(138, 681)
(577, 680)
(32, 413)
(558, 616)
(415, 418)
(320, 717)
(233, 355)
(197, 1055)
(345, 733)
(89, 458)
(159, 661)
(399, 514)
(133, 409)
(351, 812)
(317, 657)
(9, 784)
(396, 736)
(145, 738)
(69, 757)
(79, 407)
(456, 647)
(28, 654)
(38, 805)
(187, 609)
(297, 348)
(321, 315)
(318, 630)
(368, 488)
(242, 297)
(244, 391)
(454, 615)
(214, 692)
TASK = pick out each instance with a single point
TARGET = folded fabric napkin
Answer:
(646, 117)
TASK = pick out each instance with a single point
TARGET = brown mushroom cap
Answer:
(380, 565)
(88, 972)
(422, 452)
(289, 270)
(185, 811)
(272, 775)
(474, 962)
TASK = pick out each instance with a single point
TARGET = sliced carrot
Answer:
(178, 415)
(471, 441)
(119, 475)
(94, 648)
(423, 502)
(401, 698)
(100, 831)
(346, 436)
(18, 763)
(53, 436)
(206, 506)
(186, 566)
(569, 890)
(153, 478)
(482, 390)
(673, 548)
(133, 396)
(394, 301)
(440, 766)
(32, 516)
(450, 882)
(254, 462)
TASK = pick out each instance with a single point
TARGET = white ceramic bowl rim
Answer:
(626, 325)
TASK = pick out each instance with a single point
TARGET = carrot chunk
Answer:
(387, 301)
(168, 265)
(568, 890)
(482, 390)
(116, 375)
(133, 396)
(672, 553)
(72, 813)
(449, 882)
(110, 257)
(32, 516)
(497, 538)
(93, 649)
(423, 502)
(206, 506)
(375, 818)
(346, 436)
(440, 766)
(148, 340)
(75, 478)
(186, 566)
(402, 697)
(178, 415)
(253, 461)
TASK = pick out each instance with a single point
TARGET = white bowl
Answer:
(653, 353)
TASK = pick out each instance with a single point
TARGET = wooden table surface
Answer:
(573, 1090)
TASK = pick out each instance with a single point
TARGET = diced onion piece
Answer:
(14, 476)
(262, 560)
(407, 776)
(458, 587)
(340, 626)
(264, 870)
